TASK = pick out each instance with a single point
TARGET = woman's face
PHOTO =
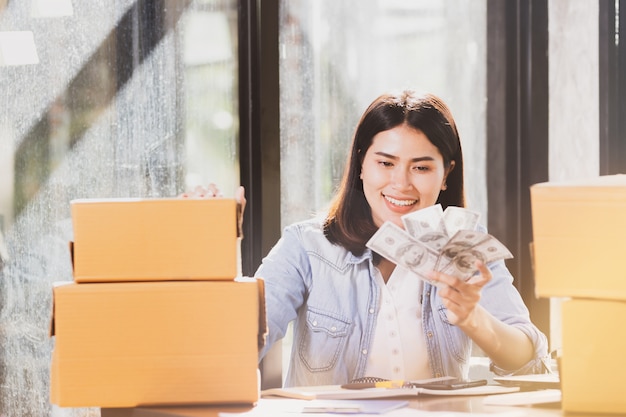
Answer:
(402, 171)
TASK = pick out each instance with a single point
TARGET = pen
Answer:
(377, 384)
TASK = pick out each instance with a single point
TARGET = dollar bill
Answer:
(459, 255)
(427, 226)
(395, 244)
(462, 240)
(459, 218)
(426, 220)
(434, 239)
(463, 266)
(493, 249)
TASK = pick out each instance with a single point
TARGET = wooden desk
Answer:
(268, 408)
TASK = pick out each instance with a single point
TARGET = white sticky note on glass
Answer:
(17, 48)
(51, 8)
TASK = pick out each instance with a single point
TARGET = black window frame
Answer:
(517, 133)
(612, 62)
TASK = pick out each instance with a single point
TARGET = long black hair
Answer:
(349, 222)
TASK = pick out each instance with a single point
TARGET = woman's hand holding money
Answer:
(461, 297)
(507, 346)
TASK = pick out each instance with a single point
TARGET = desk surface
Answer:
(271, 408)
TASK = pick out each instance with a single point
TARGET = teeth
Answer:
(400, 202)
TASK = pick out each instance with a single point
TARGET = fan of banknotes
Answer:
(434, 239)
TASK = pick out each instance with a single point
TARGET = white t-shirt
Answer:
(398, 350)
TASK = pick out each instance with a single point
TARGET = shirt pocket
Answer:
(457, 342)
(322, 341)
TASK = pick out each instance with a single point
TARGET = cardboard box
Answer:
(154, 343)
(592, 363)
(579, 229)
(155, 239)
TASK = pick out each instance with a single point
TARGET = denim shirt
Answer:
(334, 299)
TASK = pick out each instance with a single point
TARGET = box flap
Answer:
(71, 246)
(263, 330)
(55, 285)
(239, 220)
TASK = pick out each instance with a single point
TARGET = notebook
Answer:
(335, 392)
(533, 381)
(525, 398)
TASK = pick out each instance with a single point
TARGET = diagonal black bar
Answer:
(124, 49)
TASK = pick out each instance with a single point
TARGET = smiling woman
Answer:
(405, 156)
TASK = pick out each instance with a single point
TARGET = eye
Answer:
(385, 163)
(422, 168)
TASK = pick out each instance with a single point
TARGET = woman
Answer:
(356, 313)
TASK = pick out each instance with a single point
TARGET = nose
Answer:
(401, 179)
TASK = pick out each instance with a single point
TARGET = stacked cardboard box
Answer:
(579, 229)
(155, 314)
(154, 239)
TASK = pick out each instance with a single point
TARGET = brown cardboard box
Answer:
(579, 230)
(592, 363)
(146, 343)
(155, 239)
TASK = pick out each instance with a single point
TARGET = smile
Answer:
(400, 202)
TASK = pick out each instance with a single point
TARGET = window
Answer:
(336, 57)
(135, 100)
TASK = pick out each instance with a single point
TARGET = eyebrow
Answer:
(418, 159)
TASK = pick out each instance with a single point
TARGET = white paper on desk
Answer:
(319, 408)
(335, 392)
(412, 412)
(537, 381)
(480, 390)
(277, 407)
(543, 396)
(285, 407)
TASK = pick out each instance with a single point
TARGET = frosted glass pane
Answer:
(337, 56)
(128, 99)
